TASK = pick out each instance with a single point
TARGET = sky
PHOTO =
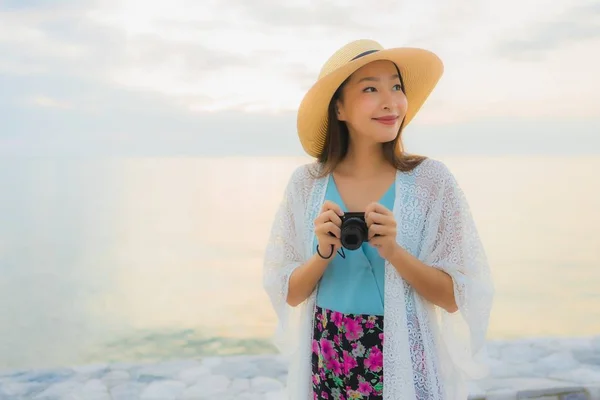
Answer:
(225, 77)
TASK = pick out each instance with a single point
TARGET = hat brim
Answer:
(420, 70)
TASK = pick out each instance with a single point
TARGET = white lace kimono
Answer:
(435, 225)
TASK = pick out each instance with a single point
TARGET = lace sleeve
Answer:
(282, 256)
(452, 244)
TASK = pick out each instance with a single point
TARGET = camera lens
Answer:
(351, 239)
(353, 233)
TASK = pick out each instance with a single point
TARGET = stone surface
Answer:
(542, 369)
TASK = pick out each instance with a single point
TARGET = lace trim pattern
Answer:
(428, 353)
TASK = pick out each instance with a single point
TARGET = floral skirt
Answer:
(347, 356)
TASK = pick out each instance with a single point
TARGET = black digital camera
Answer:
(354, 230)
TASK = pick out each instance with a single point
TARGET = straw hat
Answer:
(420, 70)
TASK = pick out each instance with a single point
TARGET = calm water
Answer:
(143, 259)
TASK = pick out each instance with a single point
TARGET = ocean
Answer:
(147, 259)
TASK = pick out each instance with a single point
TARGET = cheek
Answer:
(402, 103)
(364, 106)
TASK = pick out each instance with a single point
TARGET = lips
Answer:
(387, 119)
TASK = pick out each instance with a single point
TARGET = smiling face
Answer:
(372, 103)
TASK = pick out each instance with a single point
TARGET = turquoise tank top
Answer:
(353, 283)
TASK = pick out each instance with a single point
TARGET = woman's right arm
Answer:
(304, 279)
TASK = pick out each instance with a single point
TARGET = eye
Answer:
(368, 89)
(398, 87)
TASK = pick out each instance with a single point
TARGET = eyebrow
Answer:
(373, 79)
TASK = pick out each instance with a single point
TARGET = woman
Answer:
(396, 305)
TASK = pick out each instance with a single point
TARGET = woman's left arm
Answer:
(431, 283)
(450, 270)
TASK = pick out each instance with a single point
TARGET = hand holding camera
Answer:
(335, 229)
(381, 225)
(328, 229)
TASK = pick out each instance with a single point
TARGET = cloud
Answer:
(319, 16)
(111, 121)
(49, 102)
(42, 4)
(578, 23)
(173, 60)
(144, 77)
(54, 41)
(133, 123)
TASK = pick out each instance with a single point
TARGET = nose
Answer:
(388, 101)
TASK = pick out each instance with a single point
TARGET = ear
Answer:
(339, 110)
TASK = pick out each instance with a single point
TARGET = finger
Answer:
(378, 208)
(376, 241)
(329, 227)
(330, 205)
(327, 241)
(377, 218)
(381, 230)
(337, 243)
(373, 230)
(328, 215)
(334, 217)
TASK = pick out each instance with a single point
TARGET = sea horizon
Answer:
(155, 258)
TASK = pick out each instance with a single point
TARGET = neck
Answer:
(363, 160)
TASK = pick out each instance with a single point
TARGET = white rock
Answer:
(567, 392)
(250, 396)
(271, 368)
(125, 366)
(559, 361)
(127, 391)
(94, 389)
(60, 390)
(237, 370)
(520, 384)
(89, 370)
(520, 353)
(163, 390)
(499, 369)
(476, 390)
(116, 377)
(516, 368)
(19, 389)
(505, 394)
(212, 362)
(580, 375)
(190, 376)
(162, 370)
(493, 350)
(279, 395)
(182, 363)
(594, 391)
(208, 385)
(575, 343)
(240, 385)
(218, 381)
(263, 384)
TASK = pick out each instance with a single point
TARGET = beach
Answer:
(148, 148)
(126, 279)
(561, 369)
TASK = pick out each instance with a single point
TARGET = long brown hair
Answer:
(338, 138)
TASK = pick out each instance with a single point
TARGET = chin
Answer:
(384, 138)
